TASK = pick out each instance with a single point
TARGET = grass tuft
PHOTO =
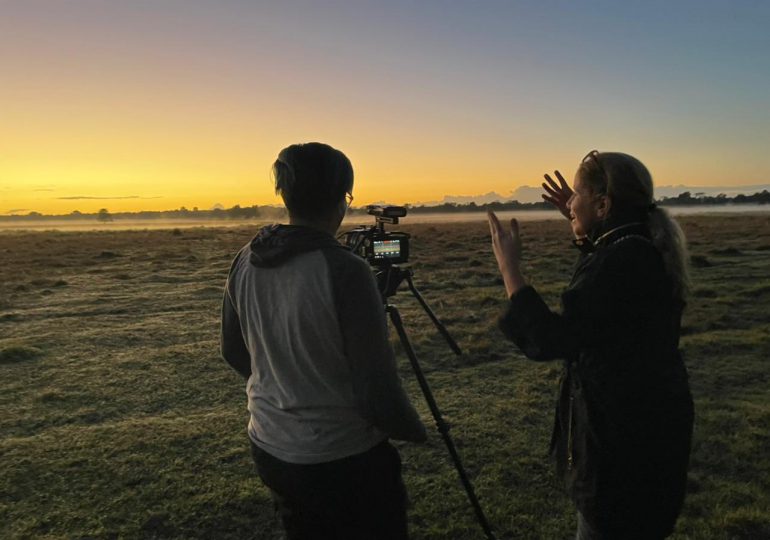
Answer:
(728, 251)
(18, 353)
(748, 522)
(700, 261)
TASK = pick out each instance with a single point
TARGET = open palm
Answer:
(557, 194)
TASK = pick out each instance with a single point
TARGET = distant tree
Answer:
(683, 199)
(238, 212)
(104, 215)
(234, 212)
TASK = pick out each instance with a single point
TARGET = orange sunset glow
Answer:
(152, 106)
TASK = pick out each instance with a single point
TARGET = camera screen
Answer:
(387, 249)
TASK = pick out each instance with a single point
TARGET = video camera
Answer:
(378, 246)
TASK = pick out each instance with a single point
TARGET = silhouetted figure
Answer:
(304, 322)
(624, 418)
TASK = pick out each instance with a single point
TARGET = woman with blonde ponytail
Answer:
(624, 417)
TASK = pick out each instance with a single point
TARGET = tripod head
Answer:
(389, 278)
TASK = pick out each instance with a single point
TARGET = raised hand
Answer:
(557, 194)
(507, 248)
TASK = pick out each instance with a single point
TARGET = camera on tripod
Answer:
(378, 246)
(386, 252)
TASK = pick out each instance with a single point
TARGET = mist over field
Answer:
(120, 420)
(118, 224)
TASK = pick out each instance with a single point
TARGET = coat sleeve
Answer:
(615, 301)
(231, 344)
(540, 333)
(375, 380)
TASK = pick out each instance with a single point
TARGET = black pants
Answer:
(361, 497)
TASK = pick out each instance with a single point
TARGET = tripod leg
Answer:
(395, 317)
(439, 325)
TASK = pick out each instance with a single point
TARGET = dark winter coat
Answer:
(624, 417)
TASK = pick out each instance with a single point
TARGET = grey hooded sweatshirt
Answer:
(302, 319)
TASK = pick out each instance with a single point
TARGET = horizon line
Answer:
(529, 205)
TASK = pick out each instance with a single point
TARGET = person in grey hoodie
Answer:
(304, 323)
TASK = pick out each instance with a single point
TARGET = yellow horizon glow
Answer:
(158, 183)
(187, 104)
(147, 155)
(63, 161)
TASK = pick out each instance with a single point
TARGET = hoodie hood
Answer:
(275, 244)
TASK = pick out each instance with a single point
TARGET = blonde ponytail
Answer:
(670, 241)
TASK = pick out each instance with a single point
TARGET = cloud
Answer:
(88, 197)
(530, 194)
(523, 194)
(34, 188)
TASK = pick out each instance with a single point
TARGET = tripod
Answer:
(389, 278)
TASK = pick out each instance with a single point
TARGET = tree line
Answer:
(267, 212)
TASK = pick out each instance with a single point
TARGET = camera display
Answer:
(378, 246)
(387, 249)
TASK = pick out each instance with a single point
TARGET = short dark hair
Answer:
(312, 178)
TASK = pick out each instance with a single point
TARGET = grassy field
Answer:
(119, 419)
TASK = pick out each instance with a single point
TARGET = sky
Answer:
(131, 105)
